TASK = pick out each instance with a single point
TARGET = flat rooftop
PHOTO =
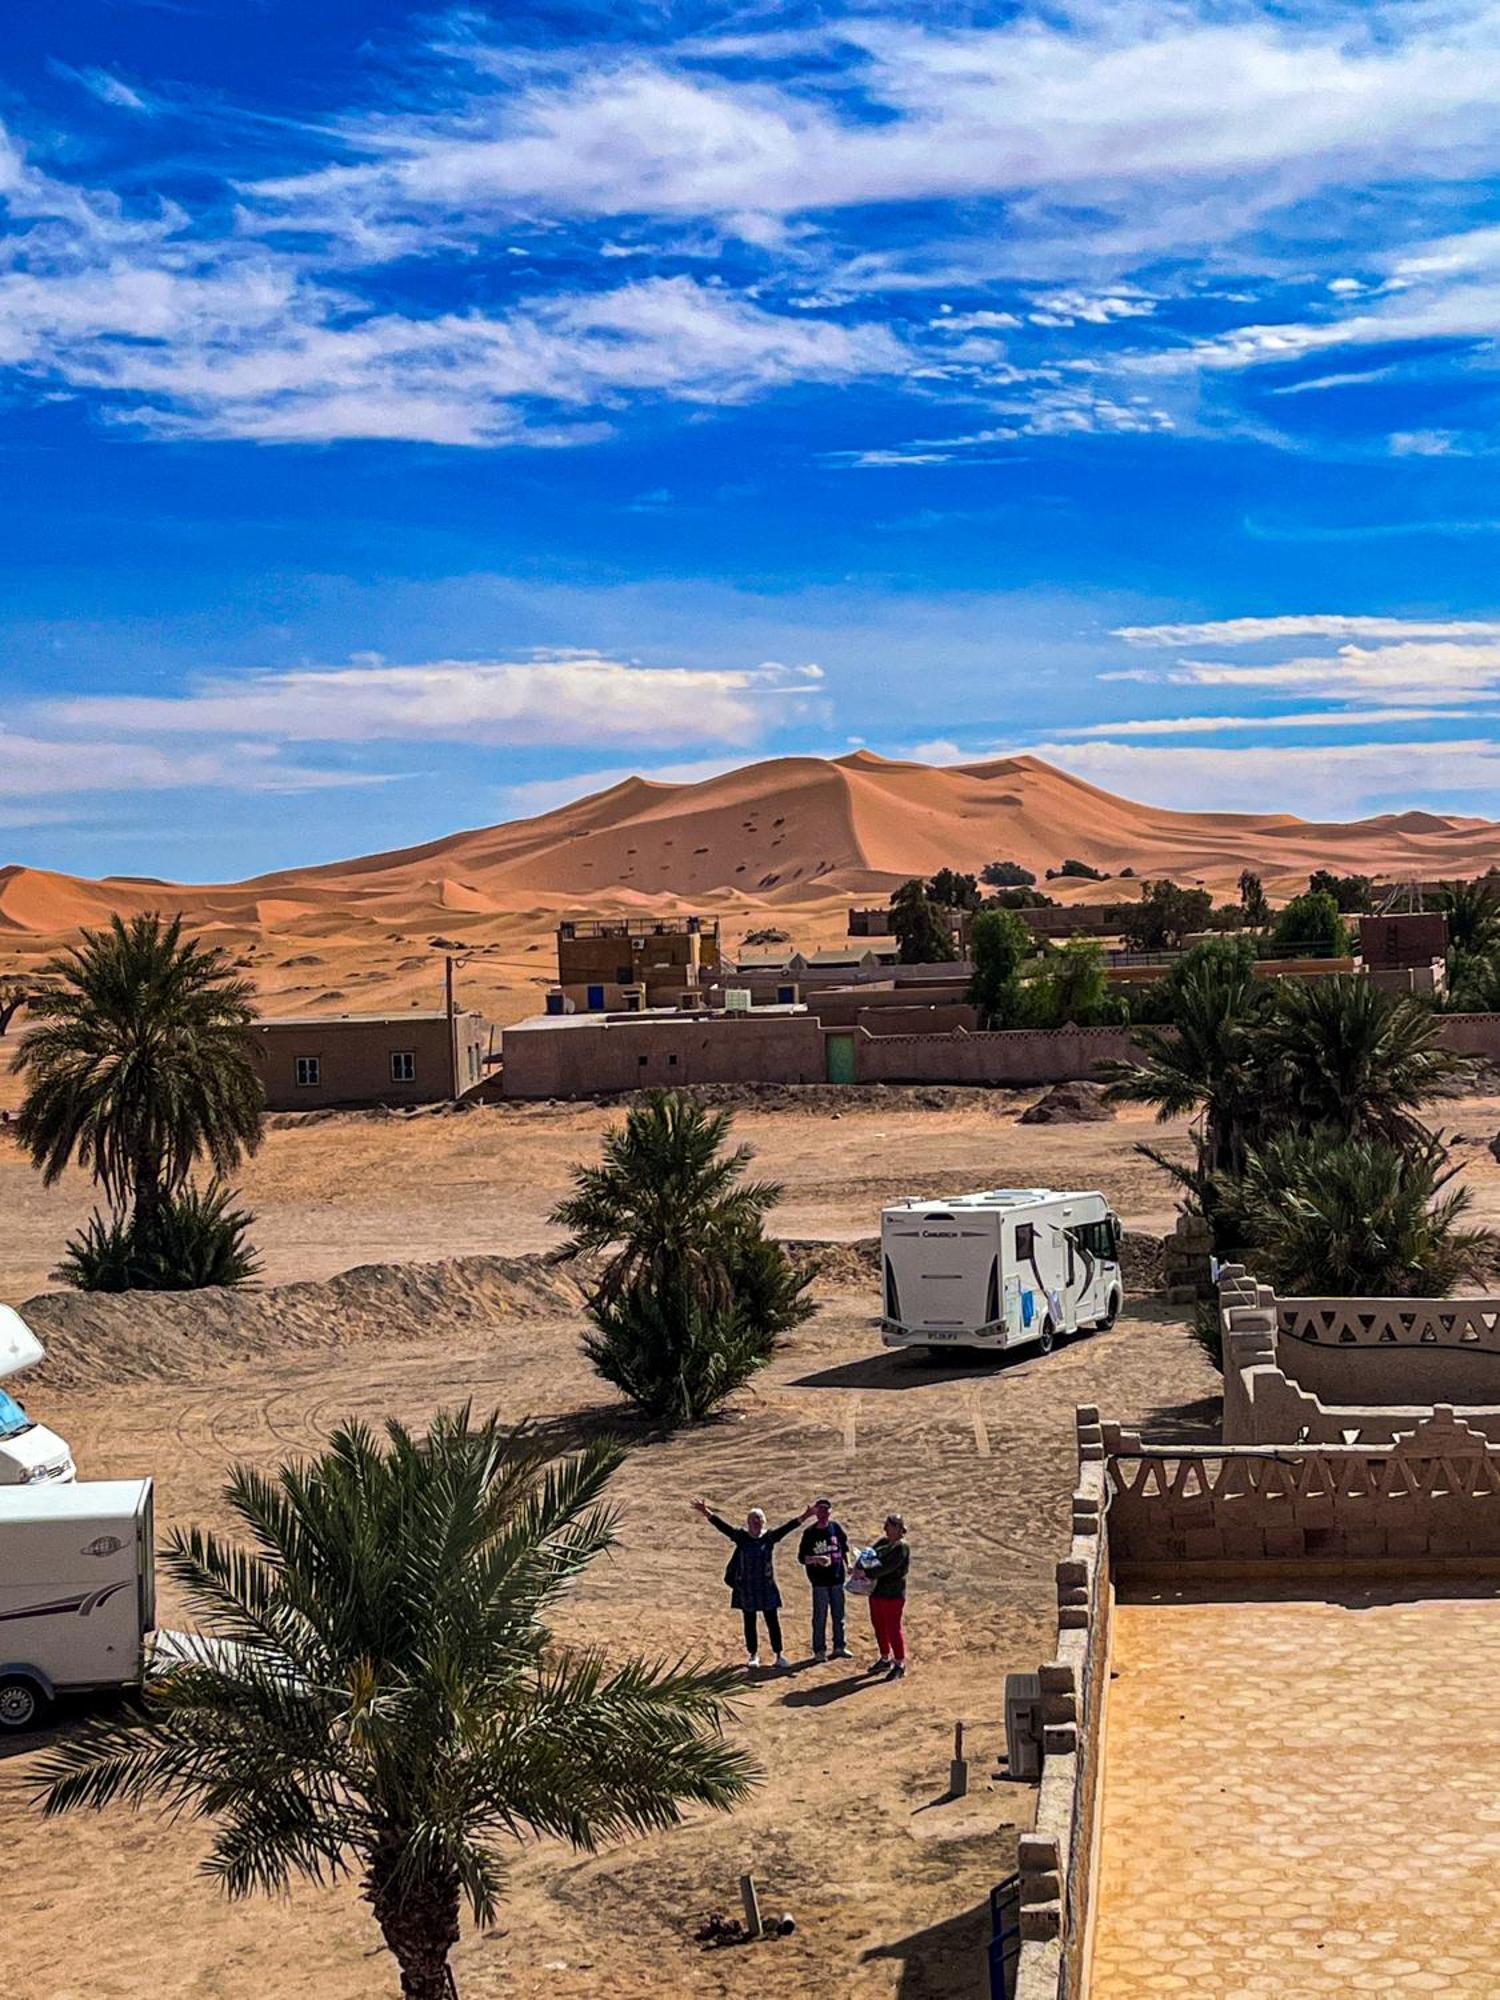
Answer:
(394, 1018)
(1302, 1796)
(654, 1017)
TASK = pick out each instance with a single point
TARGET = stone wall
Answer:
(1432, 1496)
(1057, 1858)
(1365, 1371)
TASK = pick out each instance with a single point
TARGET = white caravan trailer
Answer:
(30, 1454)
(999, 1269)
(77, 1591)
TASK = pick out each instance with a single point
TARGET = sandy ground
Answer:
(851, 1831)
(354, 1188)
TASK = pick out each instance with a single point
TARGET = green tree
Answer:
(1020, 899)
(1001, 944)
(1253, 899)
(666, 1199)
(1080, 870)
(1071, 988)
(1341, 1054)
(694, 1296)
(1164, 917)
(1310, 926)
(139, 1063)
(1473, 913)
(390, 1703)
(922, 931)
(1206, 1061)
(1349, 892)
(952, 891)
(1007, 875)
(1332, 1216)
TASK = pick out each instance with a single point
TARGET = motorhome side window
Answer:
(1025, 1239)
(1097, 1238)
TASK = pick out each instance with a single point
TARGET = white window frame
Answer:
(308, 1071)
(403, 1065)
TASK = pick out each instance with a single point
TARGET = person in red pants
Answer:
(888, 1598)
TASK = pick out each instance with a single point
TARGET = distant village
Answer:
(958, 980)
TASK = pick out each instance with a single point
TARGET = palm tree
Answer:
(668, 1199)
(1206, 1060)
(1339, 1052)
(1334, 1216)
(138, 1063)
(390, 1704)
(1473, 913)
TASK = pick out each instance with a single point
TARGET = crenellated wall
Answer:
(1147, 1516)
(1334, 1371)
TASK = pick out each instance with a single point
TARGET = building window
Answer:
(403, 1066)
(671, 1062)
(309, 1071)
(641, 1062)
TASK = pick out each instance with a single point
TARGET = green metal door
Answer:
(840, 1057)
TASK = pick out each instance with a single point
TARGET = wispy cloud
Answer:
(550, 699)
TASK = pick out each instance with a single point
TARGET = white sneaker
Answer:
(783, 1662)
(753, 1661)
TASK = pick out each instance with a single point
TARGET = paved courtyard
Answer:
(1303, 1797)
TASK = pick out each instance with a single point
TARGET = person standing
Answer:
(751, 1574)
(892, 1560)
(824, 1553)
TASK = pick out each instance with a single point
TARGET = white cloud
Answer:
(41, 767)
(1219, 725)
(566, 698)
(1333, 779)
(1314, 625)
(1096, 102)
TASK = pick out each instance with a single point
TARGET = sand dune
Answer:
(789, 841)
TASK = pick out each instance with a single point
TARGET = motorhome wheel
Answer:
(1111, 1316)
(1044, 1339)
(21, 1702)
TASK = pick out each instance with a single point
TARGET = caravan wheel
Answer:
(1046, 1336)
(22, 1703)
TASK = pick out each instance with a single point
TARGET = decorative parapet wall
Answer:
(1057, 1857)
(1157, 1513)
(1353, 1371)
(1432, 1497)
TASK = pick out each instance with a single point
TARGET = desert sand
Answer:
(787, 843)
(852, 1831)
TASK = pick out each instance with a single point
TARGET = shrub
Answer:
(194, 1241)
(1007, 875)
(1309, 924)
(677, 1356)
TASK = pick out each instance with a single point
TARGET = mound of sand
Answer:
(1068, 1104)
(92, 1338)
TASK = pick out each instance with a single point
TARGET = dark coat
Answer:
(751, 1575)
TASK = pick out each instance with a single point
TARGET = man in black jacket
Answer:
(824, 1553)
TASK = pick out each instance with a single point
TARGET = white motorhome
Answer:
(1004, 1268)
(30, 1454)
(77, 1591)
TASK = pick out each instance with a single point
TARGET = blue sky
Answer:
(409, 419)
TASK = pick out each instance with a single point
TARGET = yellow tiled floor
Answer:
(1302, 1799)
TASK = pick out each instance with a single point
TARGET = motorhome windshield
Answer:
(13, 1419)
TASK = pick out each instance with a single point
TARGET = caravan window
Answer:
(1025, 1240)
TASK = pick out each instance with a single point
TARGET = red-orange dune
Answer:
(787, 842)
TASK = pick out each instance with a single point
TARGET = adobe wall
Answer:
(354, 1060)
(1470, 1034)
(883, 1009)
(1431, 1496)
(1057, 1858)
(600, 1057)
(1331, 1371)
(1005, 1057)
